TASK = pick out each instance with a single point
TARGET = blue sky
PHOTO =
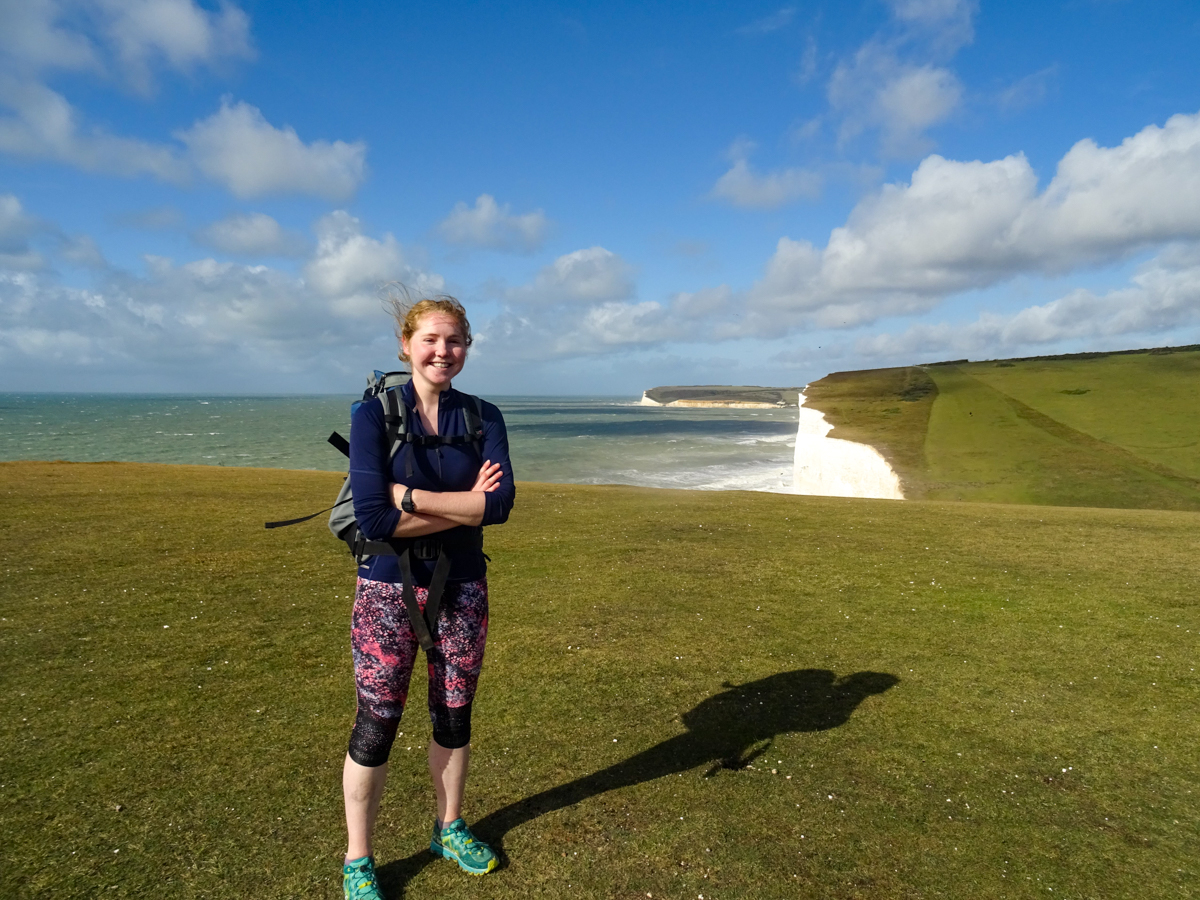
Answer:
(210, 196)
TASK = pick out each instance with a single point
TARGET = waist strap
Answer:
(422, 548)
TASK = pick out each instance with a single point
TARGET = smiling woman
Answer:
(426, 490)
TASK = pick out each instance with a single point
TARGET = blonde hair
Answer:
(409, 308)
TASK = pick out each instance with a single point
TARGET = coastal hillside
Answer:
(1115, 430)
(720, 395)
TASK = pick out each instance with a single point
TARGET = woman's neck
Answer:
(427, 398)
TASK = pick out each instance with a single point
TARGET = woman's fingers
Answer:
(489, 475)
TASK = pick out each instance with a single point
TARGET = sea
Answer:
(569, 440)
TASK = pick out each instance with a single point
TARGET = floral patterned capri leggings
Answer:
(385, 649)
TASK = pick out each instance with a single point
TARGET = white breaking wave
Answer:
(831, 467)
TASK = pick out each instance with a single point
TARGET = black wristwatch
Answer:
(406, 502)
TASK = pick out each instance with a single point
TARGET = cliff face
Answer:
(714, 404)
(723, 395)
(830, 467)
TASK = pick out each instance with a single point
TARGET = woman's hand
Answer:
(488, 478)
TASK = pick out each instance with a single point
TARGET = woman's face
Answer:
(436, 350)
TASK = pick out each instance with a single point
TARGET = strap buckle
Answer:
(426, 548)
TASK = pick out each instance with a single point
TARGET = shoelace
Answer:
(357, 874)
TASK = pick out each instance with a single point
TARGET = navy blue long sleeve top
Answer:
(443, 468)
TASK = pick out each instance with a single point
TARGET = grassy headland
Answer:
(1117, 430)
(734, 695)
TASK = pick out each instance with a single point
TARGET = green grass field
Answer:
(686, 693)
(1121, 430)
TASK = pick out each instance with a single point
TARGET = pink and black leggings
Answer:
(385, 649)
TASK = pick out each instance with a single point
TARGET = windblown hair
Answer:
(408, 308)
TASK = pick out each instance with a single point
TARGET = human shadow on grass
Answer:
(727, 731)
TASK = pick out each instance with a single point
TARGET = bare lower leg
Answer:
(362, 787)
(449, 771)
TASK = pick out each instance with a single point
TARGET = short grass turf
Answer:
(721, 694)
(1121, 430)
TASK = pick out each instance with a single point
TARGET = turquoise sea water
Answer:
(581, 440)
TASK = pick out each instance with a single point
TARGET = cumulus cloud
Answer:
(43, 125)
(32, 37)
(582, 304)
(897, 83)
(207, 317)
(963, 225)
(16, 228)
(490, 225)
(125, 37)
(349, 267)
(252, 234)
(876, 90)
(1164, 294)
(743, 186)
(178, 32)
(593, 275)
(239, 149)
(129, 40)
(155, 218)
(702, 304)
(82, 250)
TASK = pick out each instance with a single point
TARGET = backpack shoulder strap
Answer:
(473, 417)
(395, 419)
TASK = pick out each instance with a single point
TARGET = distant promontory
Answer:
(723, 395)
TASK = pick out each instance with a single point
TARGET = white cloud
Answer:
(1027, 91)
(239, 149)
(16, 227)
(1163, 295)
(213, 320)
(45, 126)
(622, 324)
(583, 304)
(82, 250)
(349, 268)
(744, 187)
(176, 31)
(236, 147)
(129, 36)
(488, 224)
(876, 90)
(252, 234)
(33, 38)
(593, 275)
(963, 225)
(948, 23)
(155, 218)
(702, 304)
(781, 18)
(897, 83)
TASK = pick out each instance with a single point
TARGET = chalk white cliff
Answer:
(830, 467)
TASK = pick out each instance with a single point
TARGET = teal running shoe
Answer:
(456, 842)
(358, 880)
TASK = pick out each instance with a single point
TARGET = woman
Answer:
(441, 492)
